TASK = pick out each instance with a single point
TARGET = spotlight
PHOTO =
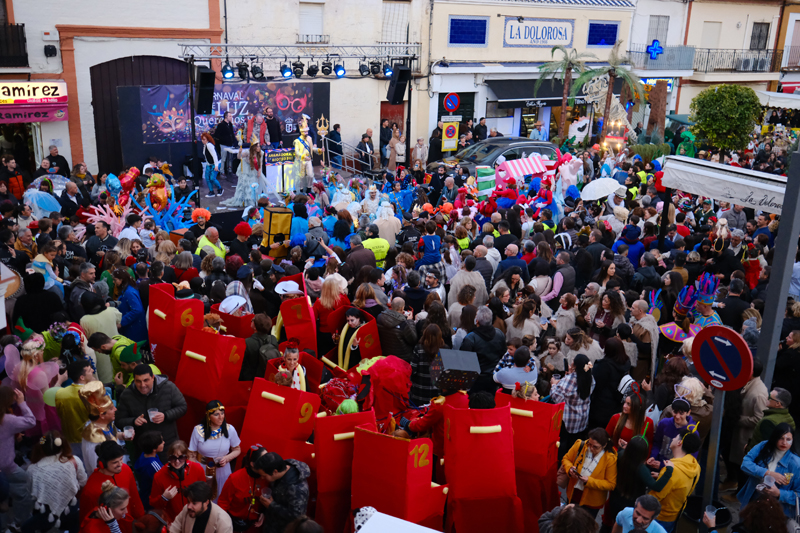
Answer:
(243, 68)
(312, 70)
(339, 70)
(297, 68)
(286, 72)
(227, 71)
(327, 68)
(363, 69)
(257, 72)
(375, 67)
(387, 70)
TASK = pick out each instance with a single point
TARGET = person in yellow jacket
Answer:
(592, 469)
(211, 238)
(685, 473)
(379, 247)
(129, 357)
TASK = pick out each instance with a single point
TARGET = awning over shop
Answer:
(759, 190)
(782, 100)
(519, 93)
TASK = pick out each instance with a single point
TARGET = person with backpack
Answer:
(260, 347)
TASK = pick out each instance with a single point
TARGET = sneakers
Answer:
(220, 192)
(210, 194)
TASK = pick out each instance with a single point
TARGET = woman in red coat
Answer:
(332, 297)
(111, 513)
(169, 482)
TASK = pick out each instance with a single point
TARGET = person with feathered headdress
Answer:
(682, 328)
(704, 314)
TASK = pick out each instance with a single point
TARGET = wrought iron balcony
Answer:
(13, 47)
(791, 57)
(672, 58)
(716, 60)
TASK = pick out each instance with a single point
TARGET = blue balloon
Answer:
(113, 185)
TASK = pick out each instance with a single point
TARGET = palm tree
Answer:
(562, 69)
(614, 69)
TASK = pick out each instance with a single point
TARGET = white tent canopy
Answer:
(758, 190)
(782, 100)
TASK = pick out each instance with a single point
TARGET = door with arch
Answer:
(125, 72)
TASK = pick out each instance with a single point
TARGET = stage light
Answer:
(286, 72)
(363, 69)
(243, 69)
(387, 70)
(257, 72)
(327, 68)
(312, 70)
(375, 67)
(227, 71)
(339, 70)
(297, 68)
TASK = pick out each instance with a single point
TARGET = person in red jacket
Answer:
(433, 421)
(110, 467)
(110, 510)
(169, 482)
(240, 495)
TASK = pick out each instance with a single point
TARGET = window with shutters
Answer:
(659, 26)
(311, 29)
(758, 39)
(395, 22)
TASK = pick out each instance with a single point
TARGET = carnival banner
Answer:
(166, 113)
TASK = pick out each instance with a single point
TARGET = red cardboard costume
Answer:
(312, 369)
(393, 475)
(369, 341)
(433, 421)
(281, 419)
(297, 317)
(536, 431)
(238, 326)
(481, 499)
(209, 365)
(333, 444)
(390, 381)
(168, 319)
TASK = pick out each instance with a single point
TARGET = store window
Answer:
(603, 34)
(529, 117)
(493, 111)
(573, 113)
(468, 31)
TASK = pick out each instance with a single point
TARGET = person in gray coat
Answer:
(398, 334)
(490, 344)
(151, 392)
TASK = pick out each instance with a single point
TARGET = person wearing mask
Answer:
(138, 401)
(169, 483)
(200, 513)
(111, 467)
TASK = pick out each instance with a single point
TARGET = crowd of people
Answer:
(562, 300)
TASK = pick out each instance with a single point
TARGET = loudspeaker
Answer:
(397, 88)
(204, 79)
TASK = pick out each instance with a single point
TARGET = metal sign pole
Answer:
(712, 461)
(780, 278)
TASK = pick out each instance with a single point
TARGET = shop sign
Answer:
(522, 32)
(652, 81)
(552, 102)
(33, 92)
(11, 114)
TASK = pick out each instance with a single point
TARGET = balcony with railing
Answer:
(13, 47)
(791, 57)
(711, 60)
(672, 58)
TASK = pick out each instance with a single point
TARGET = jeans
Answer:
(20, 494)
(336, 161)
(210, 174)
(225, 160)
(275, 146)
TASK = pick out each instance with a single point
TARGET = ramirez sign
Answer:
(33, 92)
(538, 33)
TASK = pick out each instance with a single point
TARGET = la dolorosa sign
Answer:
(538, 33)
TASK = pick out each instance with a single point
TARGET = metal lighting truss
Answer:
(384, 51)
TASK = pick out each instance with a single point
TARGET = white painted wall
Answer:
(675, 9)
(43, 15)
(57, 131)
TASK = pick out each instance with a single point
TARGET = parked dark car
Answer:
(486, 152)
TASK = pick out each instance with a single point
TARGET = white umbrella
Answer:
(599, 188)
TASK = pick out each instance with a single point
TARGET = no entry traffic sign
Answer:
(722, 358)
(452, 101)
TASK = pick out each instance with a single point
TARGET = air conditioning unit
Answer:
(760, 65)
(744, 64)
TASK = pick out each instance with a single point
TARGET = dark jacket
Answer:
(224, 134)
(165, 397)
(606, 400)
(289, 497)
(359, 257)
(274, 129)
(78, 288)
(364, 156)
(37, 307)
(504, 240)
(313, 237)
(484, 267)
(480, 132)
(334, 148)
(731, 314)
(646, 276)
(254, 364)
(415, 297)
(386, 136)
(397, 335)
(490, 345)
(61, 162)
(68, 207)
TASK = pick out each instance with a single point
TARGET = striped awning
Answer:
(526, 166)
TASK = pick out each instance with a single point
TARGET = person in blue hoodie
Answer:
(630, 236)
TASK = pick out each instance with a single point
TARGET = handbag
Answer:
(562, 477)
